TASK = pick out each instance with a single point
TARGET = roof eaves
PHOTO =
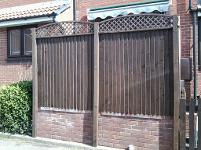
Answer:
(31, 17)
(61, 9)
(28, 21)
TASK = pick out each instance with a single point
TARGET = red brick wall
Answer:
(65, 126)
(11, 3)
(186, 27)
(117, 132)
(11, 72)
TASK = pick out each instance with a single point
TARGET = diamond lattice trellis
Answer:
(136, 22)
(64, 29)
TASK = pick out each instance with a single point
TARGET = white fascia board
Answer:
(22, 22)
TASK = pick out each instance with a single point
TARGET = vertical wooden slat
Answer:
(44, 74)
(166, 71)
(78, 38)
(199, 123)
(143, 74)
(53, 72)
(56, 72)
(48, 74)
(157, 63)
(122, 74)
(138, 80)
(182, 114)
(101, 73)
(95, 84)
(130, 71)
(70, 71)
(84, 72)
(148, 74)
(191, 124)
(153, 71)
(110, 74)
(135, 72)
(66, 99)
(82, 50)
(162, 69)
(126, 63)
(90, 76)
(39, 59)
(63, 71)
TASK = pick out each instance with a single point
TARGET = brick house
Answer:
(13, 70)
(86, 9)
(17, 19)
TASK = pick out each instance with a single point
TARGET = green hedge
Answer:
(16, 108)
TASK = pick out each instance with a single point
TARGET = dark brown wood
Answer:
(35, 83)
(191, 125)
(65, 73)
(199, 123)
(176, 81)
(95, 84)
(182, 114)
(136, 80)
(136, 72)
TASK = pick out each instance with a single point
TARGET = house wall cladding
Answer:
(12, 71)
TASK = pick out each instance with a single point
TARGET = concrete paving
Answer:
(20, 144)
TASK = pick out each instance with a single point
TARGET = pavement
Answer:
(20, 142)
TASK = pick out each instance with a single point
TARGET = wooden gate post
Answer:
(176, 89)
(35, 82)
(95, 84)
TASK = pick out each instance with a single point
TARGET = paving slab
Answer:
(20, 142)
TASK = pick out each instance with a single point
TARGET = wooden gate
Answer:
(127, 65)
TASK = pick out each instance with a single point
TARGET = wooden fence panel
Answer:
(199, 123)
(192, 125)
(182, 114)
(136, 71)
(65, 72)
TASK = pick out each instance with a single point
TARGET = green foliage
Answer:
(16, 108)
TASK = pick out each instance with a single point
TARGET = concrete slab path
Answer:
(20, 142)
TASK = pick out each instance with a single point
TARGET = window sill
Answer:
(19, 59)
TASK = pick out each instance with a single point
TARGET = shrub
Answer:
(16, 108)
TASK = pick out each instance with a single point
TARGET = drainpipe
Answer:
(194, 55)
(74, 10)
(194, 13)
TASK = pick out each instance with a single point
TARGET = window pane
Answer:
(15, 42)
(27, 42)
